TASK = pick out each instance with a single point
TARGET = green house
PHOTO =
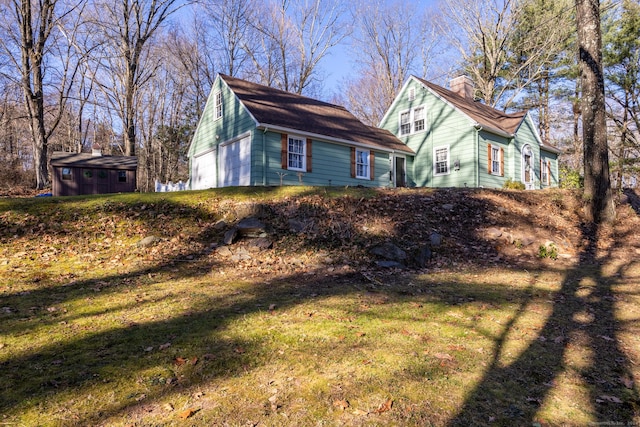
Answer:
(463, 143)
(254, 135)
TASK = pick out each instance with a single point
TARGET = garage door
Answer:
(203, 171)
(235, 163)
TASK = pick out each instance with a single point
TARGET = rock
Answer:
(389, 251)
(240, 254)
(148, 241)
(261, 243)
(447, 207)
(251, 227)
(435, 239)
(423, 257)
(494, 233)
(389, 264)
(230, 236)
(220, 225)
(224, 251)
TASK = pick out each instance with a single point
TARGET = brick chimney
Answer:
(463, 86)
(96, 150)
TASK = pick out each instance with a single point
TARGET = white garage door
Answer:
(235, 163)
(203, 171)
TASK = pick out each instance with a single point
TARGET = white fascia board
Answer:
(493, 130)
(395, 100)
(280, 129)
(240, 101)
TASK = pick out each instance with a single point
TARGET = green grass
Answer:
(96, 330)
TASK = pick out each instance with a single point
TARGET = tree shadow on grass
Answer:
(578, 343)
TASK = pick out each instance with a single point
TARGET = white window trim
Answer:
(412, 120)
(366, 165)
(218, 108)
(304, 153)
(495, 159)
(411, 95)
(545, 176)
(435, 163)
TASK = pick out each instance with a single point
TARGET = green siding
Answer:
(235, 121)
(488, 180)
(445, 126)
(331, 165)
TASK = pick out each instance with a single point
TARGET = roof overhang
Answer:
(493, 130)
(267, 127)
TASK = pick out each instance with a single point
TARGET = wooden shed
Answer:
(92, 173)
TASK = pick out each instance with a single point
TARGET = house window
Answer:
(122, 176)
(217, 111)
(66, 174)
(495, 160)
(418, 119)
(412, 121)
(362, 164)
(441, 160)
(545, 172)
(405, 123)
(296, 153)
(412, 94)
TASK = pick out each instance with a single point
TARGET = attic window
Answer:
(217, 110)
(412, 94)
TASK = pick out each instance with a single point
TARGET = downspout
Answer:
(265, 164)
(476, 148)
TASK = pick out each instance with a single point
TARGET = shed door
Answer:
(235, 163)
(203, 171)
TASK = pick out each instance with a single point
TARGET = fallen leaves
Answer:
(605, 398)
(188, 413)
(384, 407)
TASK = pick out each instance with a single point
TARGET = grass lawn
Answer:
(99, 330)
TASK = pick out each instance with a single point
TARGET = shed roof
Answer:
(277, 108)
(88, 160)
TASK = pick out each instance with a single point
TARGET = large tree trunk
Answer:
(597, 186)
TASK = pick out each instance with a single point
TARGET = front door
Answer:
(399, 172)
(527, 167)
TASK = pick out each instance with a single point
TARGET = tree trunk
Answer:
(597, 186)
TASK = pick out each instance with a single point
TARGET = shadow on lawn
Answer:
(510, 393)
(582, 326)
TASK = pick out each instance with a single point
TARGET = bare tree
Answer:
(597, 186)
(127, 28)
(228, 26)
(501, 59)
(391, 41)
(45, 63)
(293, 38)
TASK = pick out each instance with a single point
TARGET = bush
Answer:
(513, 185)
(570, 178)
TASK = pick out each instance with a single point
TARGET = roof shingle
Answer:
(277, 108)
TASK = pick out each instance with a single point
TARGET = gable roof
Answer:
(274, 108)
(88, 160)
(483, 114)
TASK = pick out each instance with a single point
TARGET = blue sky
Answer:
(338, 65)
